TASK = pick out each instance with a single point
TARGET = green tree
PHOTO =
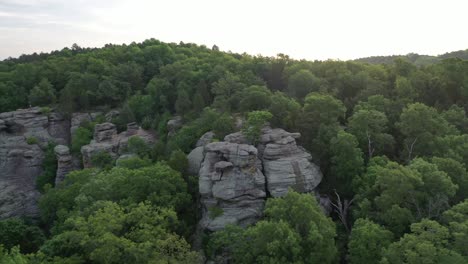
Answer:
(183, 103)
(367, 241)
(420, 126)
(15, 232)
(456, 219)
(427, 243)
(81, 137)
(42, 94)
(457, 173)
(254, 124)
(347, 161)
(370, 127)
(255, 98)
(302, 83)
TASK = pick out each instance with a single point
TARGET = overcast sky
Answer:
(335, 29)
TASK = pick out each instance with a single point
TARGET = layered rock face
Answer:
(235, 178)
(20, 162)
(107, 140)
(231, 185)
(65, 162)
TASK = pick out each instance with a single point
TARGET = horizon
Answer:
(336, 30)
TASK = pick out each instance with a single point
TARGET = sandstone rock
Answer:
(205, 139)
(195, 158)
(21, 163)
(285, 164)
(65, 163)
(107, 140)
(173, 125)
(78, 118)
(234, 177)
(231, 185)
(104, 132)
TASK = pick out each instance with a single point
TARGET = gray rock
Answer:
(107, 140)
(173, 125)
(205, 139)
(195, 158)
(65, 163)
(234, 176)
(104, 132)
(231, 184)
(21, 163)
(79, 118)
(285, 164)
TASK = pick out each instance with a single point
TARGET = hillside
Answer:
(417, 59)
(179, 153)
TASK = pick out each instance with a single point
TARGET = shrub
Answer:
(49, 167)
(81, 137)
(102, 160)
(32, 140)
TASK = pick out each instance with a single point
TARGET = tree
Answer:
(110, 233)
(302, 83)
(370, 127)
(255, 98)
(457, 173)
(227, 91)
(302, 213)
(367, 241)
(421, 125)
(456, 219)
(295, 230)
(427, 243)
(183, 104)
(346, 161)
(15, 232)
(285, 111)
(320, 121)
(396, 195)
(255, 122)
(42, 94)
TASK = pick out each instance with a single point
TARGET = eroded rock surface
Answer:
(65, 163)
(231, 185)
(107, 140)
(235, 177)
(20, 162)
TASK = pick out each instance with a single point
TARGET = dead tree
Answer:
(342, 209)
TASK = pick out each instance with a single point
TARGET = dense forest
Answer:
(390, 138)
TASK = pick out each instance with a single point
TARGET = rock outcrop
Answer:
(107, 140)
(20, 162)
(231, 185)
(65, 163)
(235, 178)
(173, 125)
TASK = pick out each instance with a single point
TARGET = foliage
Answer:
(81, 137)
(42, 94)
(256, 120)
(367, 241)
(32, 140)
(294, 231)
(137, 145)
(427, 243)
(15, 232)
(49, 169)
(102, 160)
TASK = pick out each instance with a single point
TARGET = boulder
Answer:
(173, 125)
(104, 132)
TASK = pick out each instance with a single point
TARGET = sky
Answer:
(303, 29)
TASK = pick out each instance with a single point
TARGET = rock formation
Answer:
(107, 140)
(65, 163)
(231, 185)
(235, 178)
(20, 162)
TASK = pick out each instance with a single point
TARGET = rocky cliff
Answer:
(23, 136)
(235, 178)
